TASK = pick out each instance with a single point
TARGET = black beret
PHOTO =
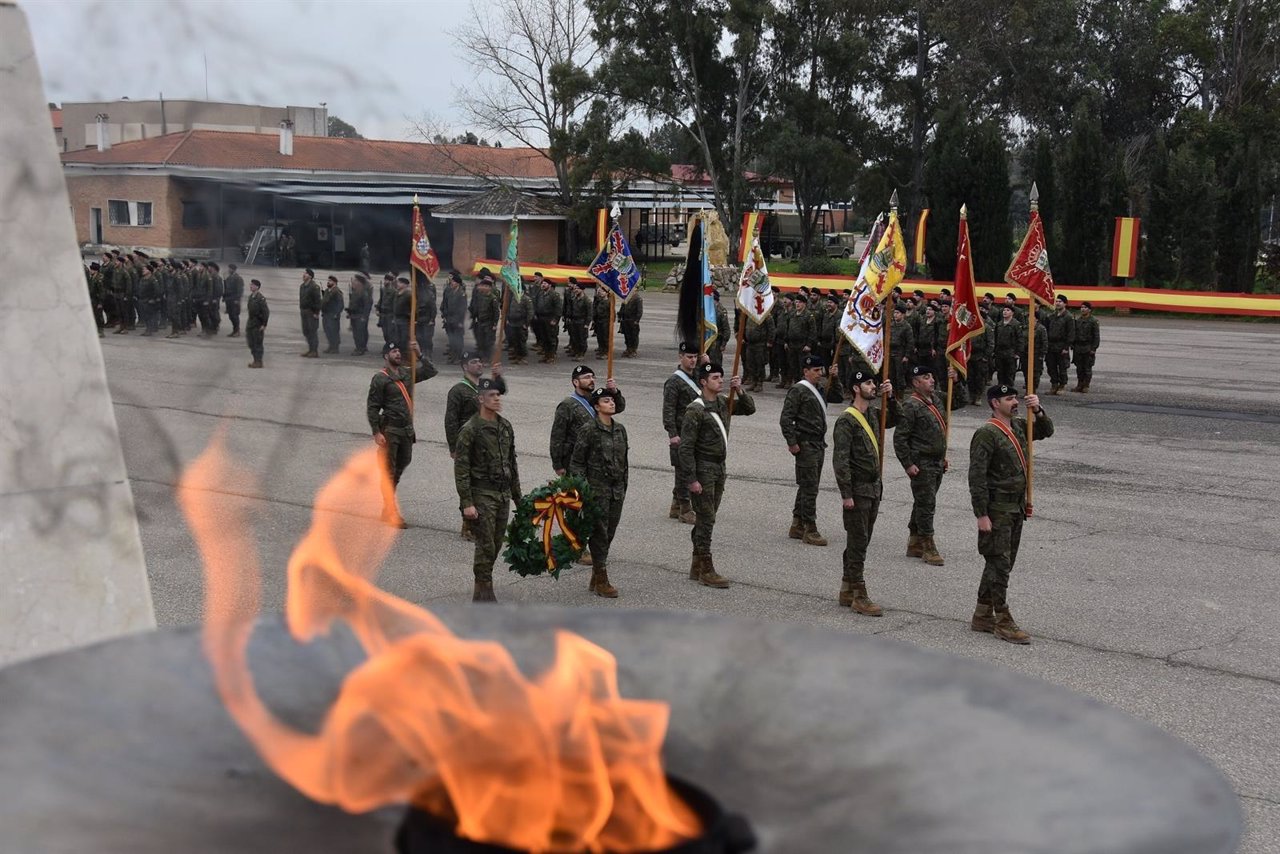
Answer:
(988, 295)
(456, 276)
(582, 370)
(1000, 391)
(333, 279)
(573, 280)
(485, 271)
(801, 297)
(95, 266)
(1062, 298)
(255, 282)
(310, 272)
(538, 274)
(898, 306)
(812, 361)
(919, 371)
(387, 347)
(404, 279)
(706, 369)
(946, 291)
(487, 384)
(918, 292)
(1011, 295)
(604, 392)
(1087, 304)
(231, 267)
(468, 355)
(860, 377)
(687, 349)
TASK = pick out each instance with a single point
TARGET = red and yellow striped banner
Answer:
(751, 222)
(1143, 299)
(922, 226)
(1124, 247)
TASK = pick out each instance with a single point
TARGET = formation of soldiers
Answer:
(132, 290)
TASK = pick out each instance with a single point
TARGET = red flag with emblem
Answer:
(1029, 269)
(966, 314)
(421, 255)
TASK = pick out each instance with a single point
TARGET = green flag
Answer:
(511, 266)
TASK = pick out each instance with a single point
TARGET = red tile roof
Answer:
(230, 150)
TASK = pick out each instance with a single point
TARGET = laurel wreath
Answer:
(534, 545)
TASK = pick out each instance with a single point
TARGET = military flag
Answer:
(755, 293)
(614, 267)
(966, 314)
(1029, 269)
(421, 255)
(511, 265)
(696, 314)
(862, 322)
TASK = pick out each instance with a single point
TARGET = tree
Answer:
(947, 184)
(701, 66)
(339, 128)
(990, 232)
(1042, 172)
(1084, 210)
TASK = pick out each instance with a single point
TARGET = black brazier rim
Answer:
(722, 832)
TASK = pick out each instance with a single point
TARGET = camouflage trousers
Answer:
(395, 457)
(606, 527)
(808, 479)
(924, 497)
(1006, 368)
(489, 527)
(1084, 366)
(706, 505)
(253, 337)
(1000, 548)
(631, 334)
(754, 356)
(679, 492)
(858, 525)
(1059, 364)
(519, 338)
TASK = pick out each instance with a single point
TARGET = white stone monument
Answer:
(71, 563)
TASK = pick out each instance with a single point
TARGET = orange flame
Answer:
(557, 763)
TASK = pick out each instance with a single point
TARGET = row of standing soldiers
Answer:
(131, 289)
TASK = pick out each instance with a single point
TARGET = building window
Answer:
(194, 215)
(493, 246)
(128, 213)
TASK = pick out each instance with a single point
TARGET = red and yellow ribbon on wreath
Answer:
(550, 513)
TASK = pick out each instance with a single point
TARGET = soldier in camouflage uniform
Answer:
(902, 346)
(232, 294)
(855, 457)
(1033, 375)
(629, 314)
(255, 328)
(331, 308)
(359, 305)
(1062, 334)
(982, 352)
(462, 403)
(389, 408)
(93, 278)
(678, 392)
(519, 313)
(309, 298)
(484, 317)
(577, 313)
(998, 490)
(487, 480)
(600, 320)
(600, 456)
(704, 446)
(804, 428)
(799, 333)
(756, 339)
(547, 311)
(1086, 343)
(386, 307)
(920, 443)
(1007, 335)
(782, 313)
(453, 314)
(425, 330)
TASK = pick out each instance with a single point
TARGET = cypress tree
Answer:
(1084, 211)
(947, 186)
(989, 229)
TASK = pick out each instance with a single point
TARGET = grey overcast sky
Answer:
(375, 63)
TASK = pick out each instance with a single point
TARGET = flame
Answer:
(557, 763)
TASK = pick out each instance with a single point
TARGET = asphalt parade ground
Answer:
(1147, 578)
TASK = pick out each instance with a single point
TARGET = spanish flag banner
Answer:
(1124, 247)
(922, 227)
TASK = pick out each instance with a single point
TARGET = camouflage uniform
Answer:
(600, 456)
(1062, 334)
(425, 322)
(855, 459)
(573, 414)
(309, 306)
(547, 311)
(902, 346)
(1087, 340)
(331, 316)
(255, 327)
(804, 423)
(486, 311)
(678, 392)
(232, 294)
(519, 312)
(1041, 348)
(920, 440)
(981, 354)
(453, 314)
(600, 319)
(1007, 336)
(486, 477)
(756, 339)
(629, 314)
(799, 333)
(997, 489)
(389, 408)
(702, 458)
(459, 406)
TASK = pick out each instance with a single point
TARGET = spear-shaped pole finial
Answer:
(964, 211)
(415, 198)
(615, 211)
(1035, 197)
(893, 201)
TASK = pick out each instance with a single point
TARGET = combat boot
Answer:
(811, 536)
(1055, 390)
(863, 604)
(929, 552)
(483, 592)
(1006, 629)
(687, 515)
(1084, 389)
(915, 546)
(600, 584)
(797, 529)
(1079, 387)
(674, 511)
(709, 577)
(585, 558)
(695, 568)
(846, 594)
(983, 618)
(781, 384)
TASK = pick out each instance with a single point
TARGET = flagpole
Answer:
(835, 360)
(613, 313)
(887, 347)
(737, 356)
(602, 234)
(413, 313)
(1031, 366)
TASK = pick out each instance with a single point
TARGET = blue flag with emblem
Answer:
(614, 267)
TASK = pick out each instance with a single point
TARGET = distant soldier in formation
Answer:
(255, 329)
(232, 294)
(488, 480)
(425, 330)
(704, 447)
(920, 443)
(902, 346)
(1007, 336)
(93, 279)
(548, 310)
(804, 428)
(331, 314)
(997, 489)
(148, 295)
(756, 339)
(1088, 339)
(216, 288)
(577, 315)
(600, 456)
(519, 315)
(401, 312)
(855, 457)
(1062, 334)
(386, 307)
(678, 392)
(1035, 370)
(309, 299)
(485, 315)
(629, 314)
(359, 305)
(600, 320)
(389, 408)
(453, 314)
(982, 351)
